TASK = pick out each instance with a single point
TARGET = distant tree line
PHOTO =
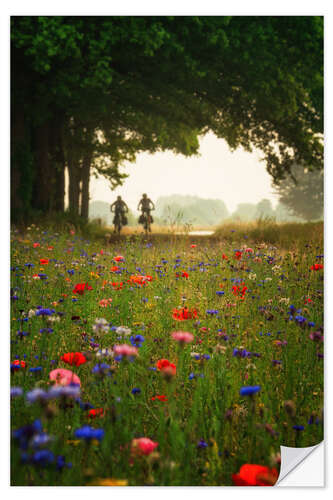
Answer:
(90, 93)
(194, 211)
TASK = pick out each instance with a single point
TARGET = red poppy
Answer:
(113, 269)
(184, 313)
(74, 358)
(117, 286)
(44, 262)
(224, 257)
(184, 274)
(160, 397)
(96, 412)
(164, 365)
(193, 246)
(255, 475)
(316, 267)
(238, 255)
(81, 287)
(119, 258)
(139, 280)
(35, 245)
(238, 291)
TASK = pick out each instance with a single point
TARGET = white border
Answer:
(142, 7)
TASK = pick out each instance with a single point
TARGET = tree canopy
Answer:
(89, 93)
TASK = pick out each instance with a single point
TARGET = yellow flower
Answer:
(74, 442)
(108, 481)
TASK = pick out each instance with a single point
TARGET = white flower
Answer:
(284, 300)
(53, 319)
(123, 330)
(252, 276)
(105, 353)
(101, 326)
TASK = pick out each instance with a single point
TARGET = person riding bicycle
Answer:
(146, 205)
(145, 218)
(119, 208)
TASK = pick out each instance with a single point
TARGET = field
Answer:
(244, 377)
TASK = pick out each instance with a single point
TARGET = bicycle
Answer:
(146, 220)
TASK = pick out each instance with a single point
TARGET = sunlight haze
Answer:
(237, 177)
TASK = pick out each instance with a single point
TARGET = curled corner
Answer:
(291, 458)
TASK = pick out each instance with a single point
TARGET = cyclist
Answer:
(146, 205)
(119, 208)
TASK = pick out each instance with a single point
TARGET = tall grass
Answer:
(286, 235)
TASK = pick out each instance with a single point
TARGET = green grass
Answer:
(285, 235)
(237, 429)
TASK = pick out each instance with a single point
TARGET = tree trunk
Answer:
(74, 185)
(58, 164)
(17, 143)
(85, 186)
(42, 194)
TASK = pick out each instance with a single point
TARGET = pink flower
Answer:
(125, 350)
(105, 302)
(64, 377)
(183, 337)
(143, 446)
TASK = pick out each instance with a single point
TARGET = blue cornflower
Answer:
(249, 390)
(88, 433)
(42, 276)
(84, 406)
(35, 369)
(202, 444)
(45, 312)
(16, 392)
(212, 311)
(136, 390)
(241, 353)
(60, 464)
(46, 330)
(101, 368)
(21, 333)
(220, 292)
(300, 319)
(36, 395)
(137, 340)
(42, 458)
(292, 309)
(70, 271)
(25, 433)
(298, 427)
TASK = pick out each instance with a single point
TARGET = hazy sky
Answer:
(237, 177)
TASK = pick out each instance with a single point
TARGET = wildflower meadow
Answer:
(171, 362)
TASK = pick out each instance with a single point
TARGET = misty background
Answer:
(205, 190)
